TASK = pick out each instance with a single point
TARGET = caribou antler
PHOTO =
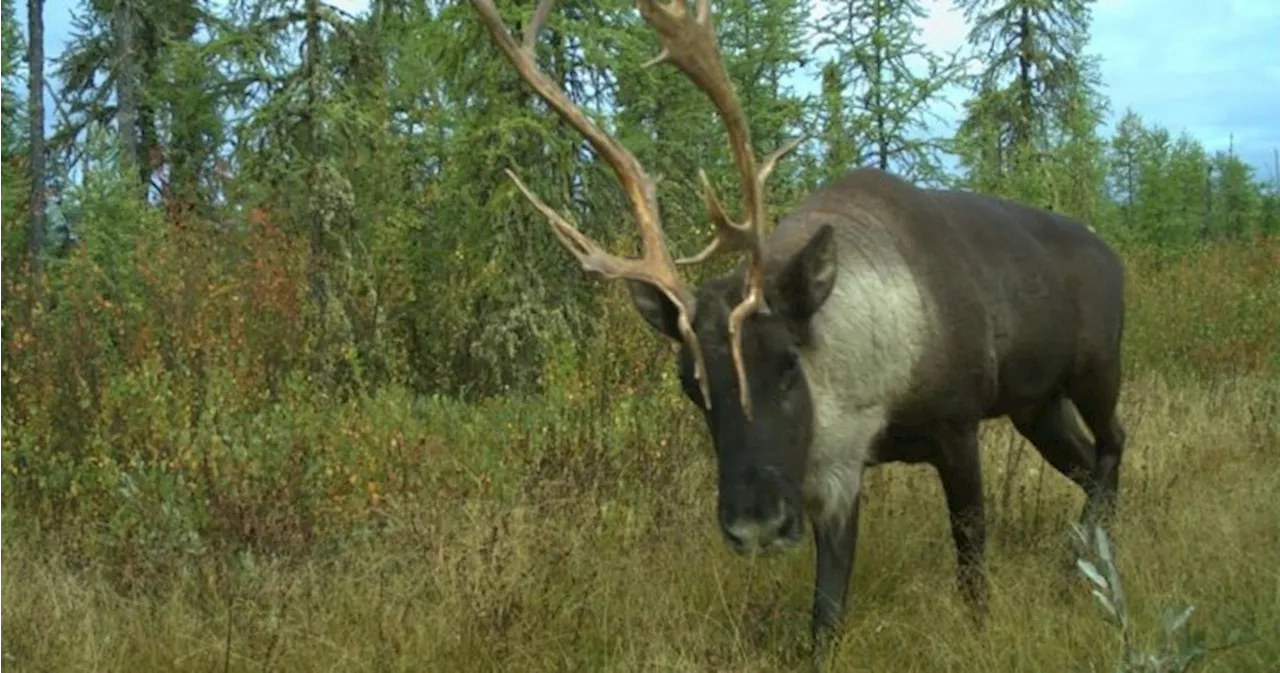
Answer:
(689, 42)
(654, 265)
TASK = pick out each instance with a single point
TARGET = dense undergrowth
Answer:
(189, 477)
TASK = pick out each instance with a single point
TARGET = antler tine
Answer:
(689, 42)
(655, 265)
(771, 162)
(540, 15)
(731, 237)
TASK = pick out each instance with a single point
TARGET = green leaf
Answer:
(1112, 614)
(1091, 571)
(1174, 618)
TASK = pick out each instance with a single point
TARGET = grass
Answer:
(556, 574)
(165, 513)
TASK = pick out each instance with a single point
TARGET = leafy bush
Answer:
(1211, 312)
(1178, 646)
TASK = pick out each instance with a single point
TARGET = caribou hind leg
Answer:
(1092, 465)
(1054, 432)
(1096, 396)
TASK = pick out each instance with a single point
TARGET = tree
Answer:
(35, 137)
(1188, 165)
(1032, 49)
(1159, 184)
(1238, 195)
(1123, 164)
(14, 156)
(888, 80)
(840, 147)
(123, 49)
(1154, 199)
(1030, 130)
(128, 76)
(1076, 164)
(11, 109)
(1269, 223)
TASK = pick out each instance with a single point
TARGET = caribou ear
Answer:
(656, 307)
(806, 281)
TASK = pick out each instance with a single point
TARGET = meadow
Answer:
(181, 521)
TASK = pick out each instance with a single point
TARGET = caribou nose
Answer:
(756, 514)
(752, 535)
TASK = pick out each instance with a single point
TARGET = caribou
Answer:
(877, 322)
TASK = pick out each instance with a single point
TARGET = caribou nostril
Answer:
(738, 541)
(792, 528)
(752, 533)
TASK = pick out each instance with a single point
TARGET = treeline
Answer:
(1166, 190)
(281, 189)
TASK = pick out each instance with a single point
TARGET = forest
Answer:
(294, 377)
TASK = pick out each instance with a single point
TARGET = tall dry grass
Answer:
(575, 531)
(641, 581)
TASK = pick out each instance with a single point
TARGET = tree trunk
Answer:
(127, 84)
(311, 137)
(146, 47)
(35, 98)
(877, 87)
(1022, 131)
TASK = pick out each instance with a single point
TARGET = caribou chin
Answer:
(877, 322)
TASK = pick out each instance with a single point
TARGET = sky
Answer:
(1210, 68)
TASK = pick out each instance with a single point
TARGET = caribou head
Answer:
(753, 390)
(742, 335)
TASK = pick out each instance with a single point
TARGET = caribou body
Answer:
(877, 322)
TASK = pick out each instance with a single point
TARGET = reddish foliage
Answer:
(1212, 312)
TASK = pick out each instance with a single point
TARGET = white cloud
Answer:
(354, 7)
(944, 29)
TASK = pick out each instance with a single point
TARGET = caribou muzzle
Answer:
(758, 514)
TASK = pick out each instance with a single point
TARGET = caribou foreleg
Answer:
(837, 542)
(960, 468)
